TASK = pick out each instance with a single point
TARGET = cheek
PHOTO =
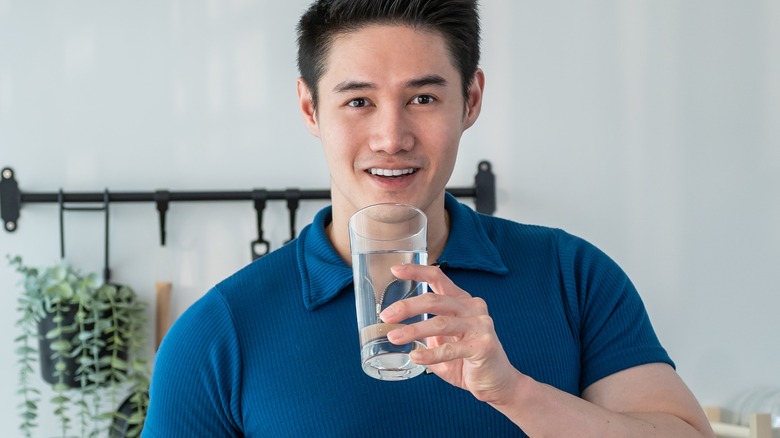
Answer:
(442, 135)
(334, 137)
(340, 130)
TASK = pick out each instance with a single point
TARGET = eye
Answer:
(422, 99)
(357, 103)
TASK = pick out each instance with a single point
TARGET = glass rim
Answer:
(388, 204)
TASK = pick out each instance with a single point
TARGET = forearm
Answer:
(544, 411)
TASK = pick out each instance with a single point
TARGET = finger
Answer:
(433, 275)
(479, 329)
(463, 306)
(446, 352)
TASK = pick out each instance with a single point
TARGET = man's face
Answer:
(390, 116)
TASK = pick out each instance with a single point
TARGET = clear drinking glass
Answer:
(381, 236)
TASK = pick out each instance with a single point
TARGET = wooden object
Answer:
(163, 294)
(760, 425)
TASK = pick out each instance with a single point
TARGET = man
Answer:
(536, 332)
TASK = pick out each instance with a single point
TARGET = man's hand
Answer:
(463, 348)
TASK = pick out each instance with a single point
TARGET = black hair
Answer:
(457, 21)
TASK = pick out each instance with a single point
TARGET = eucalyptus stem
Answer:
(60, 400)
(116, 344)
(82, 375)
(29, 404)
(96, 338)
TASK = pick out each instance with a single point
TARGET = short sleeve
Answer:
(195, 388)
(614, 328)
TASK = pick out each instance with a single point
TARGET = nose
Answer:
(392, 132)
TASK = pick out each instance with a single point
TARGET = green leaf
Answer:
(136, 418)
(58, 273)
(109, 291)
(119, 364)
(60, 399)
(60, 346)
(53, 333)
(99, 377)
(135, 431)
(29, 405)
(23, 350)
(28, 390)
(60, 387)
(105, 416)
(70, 328)
(76, 351)
(85, 361)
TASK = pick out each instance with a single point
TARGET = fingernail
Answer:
(394, 335)
(387, 313)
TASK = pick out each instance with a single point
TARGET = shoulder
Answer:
(279, 265)
(201, 346)
(529, 243)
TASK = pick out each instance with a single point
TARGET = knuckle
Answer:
(479, 305)
(437, 278)
(486, 322)
(430, 299)
(486, 339)
(440, 322)
(409, 331)
(400, 306)
(447, 352)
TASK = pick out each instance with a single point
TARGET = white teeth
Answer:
(390, 172)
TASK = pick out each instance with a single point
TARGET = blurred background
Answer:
(650, 128)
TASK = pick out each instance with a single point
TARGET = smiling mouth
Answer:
(391, 172)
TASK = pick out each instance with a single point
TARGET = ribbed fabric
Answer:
(273, 350)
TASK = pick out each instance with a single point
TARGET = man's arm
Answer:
(464, 350)
(644, 401)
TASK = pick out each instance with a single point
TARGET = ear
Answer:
(474, 99)
(306, 103)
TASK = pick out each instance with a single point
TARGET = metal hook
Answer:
(105, 209)
(485, 187)
(106, 270)
(61, 201)
(293, 200)
(260, 247)
(162, 198)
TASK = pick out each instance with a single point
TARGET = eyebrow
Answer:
(424, 81)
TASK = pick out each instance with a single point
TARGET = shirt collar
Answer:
(324, 274)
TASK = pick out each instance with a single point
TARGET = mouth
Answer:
(393, 173)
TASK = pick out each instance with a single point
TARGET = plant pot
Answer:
(48, 363)
(120, 426)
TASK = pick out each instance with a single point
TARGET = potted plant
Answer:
(87, 337)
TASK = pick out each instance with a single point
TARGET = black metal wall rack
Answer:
(12, 199)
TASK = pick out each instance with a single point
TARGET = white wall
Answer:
(650, 128)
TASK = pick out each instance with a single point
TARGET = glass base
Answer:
(384, 360)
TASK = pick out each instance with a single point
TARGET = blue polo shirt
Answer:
(273, 350)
